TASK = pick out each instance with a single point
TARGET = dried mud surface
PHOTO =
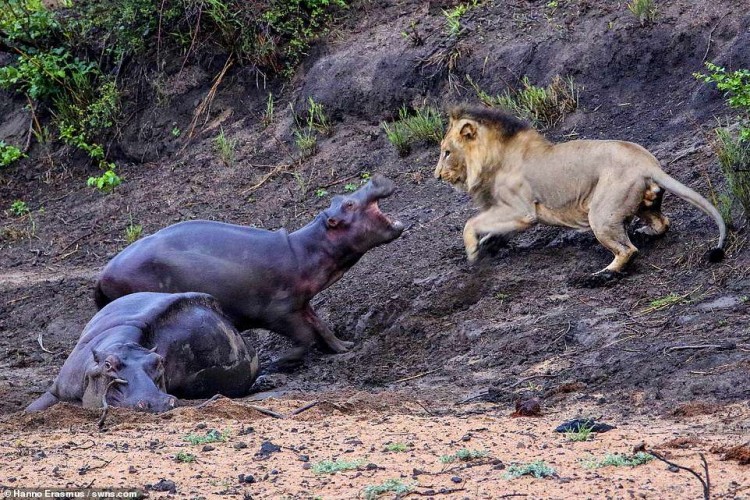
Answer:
(138, 451)
(427, 326)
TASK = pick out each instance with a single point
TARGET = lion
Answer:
(518, 179)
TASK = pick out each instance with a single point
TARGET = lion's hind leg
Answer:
(649, 212)
(608, 215)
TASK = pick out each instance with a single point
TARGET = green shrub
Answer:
(106, 183)
(8, 154)
(733, 147)
(19, 208)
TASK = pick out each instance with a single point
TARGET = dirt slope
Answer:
(513, 326)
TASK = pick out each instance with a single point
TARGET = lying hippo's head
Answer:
(127, 375)
(356, 221)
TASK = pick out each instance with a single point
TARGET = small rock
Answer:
(304, 458)
(417, 472)
(520, 446)
(246, 430)
(240, 445)
(246, 478)
(165, 485)
(200, 425)
(466, 437)
(527, 408)
(40, 455)
(266, 448)
(580, 423)
(208, 447)
(132, 469)
(274, 472)
(307, 466)
(456, 479)
(672, 468)
(371, 467)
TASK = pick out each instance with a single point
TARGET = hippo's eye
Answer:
(107, 365)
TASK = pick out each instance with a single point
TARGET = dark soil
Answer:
(517, 324)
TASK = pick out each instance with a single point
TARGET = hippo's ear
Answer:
(97, 356)
(332, 222)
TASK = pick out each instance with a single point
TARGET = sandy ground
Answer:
(63, 447)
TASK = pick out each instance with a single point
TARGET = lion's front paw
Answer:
(472, 255)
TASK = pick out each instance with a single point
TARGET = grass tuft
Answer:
(584, 433)
(543, 107)
(396, 447)
(389, 486)
(212, 436)
(618, 460)
(225, 148)
(463, 455)
(425, 124)
(185, 457)
(644, 10)
(537, 468)
(334, 466)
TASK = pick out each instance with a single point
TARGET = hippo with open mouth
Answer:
(143, 350)
(263, 279)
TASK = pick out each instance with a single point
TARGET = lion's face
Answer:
(454, 149)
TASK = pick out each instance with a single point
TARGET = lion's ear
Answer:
(469, 131)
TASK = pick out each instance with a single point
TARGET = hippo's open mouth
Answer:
(374, 210)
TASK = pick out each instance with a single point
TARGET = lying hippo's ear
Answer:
(97, 356)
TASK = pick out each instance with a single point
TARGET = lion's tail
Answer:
(674, 186)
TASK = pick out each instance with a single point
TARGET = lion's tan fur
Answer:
(518, 178)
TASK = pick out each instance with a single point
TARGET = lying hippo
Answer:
(142, 350)
(263, 279)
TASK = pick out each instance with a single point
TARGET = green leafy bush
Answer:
(8, 154)
(19, 208)
(733, 145)
(106, 183)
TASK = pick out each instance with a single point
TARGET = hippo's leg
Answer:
(324, 333)
(300, 331)
(45, 401)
